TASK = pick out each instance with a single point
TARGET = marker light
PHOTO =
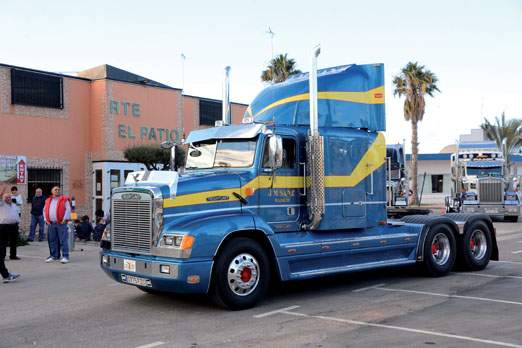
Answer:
(187, 242)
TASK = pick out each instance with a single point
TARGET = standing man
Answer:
(57, 212)
(9, 220)
(17, 199)
(8, 217)
(37, 218)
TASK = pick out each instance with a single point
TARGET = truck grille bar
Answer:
(131, 225)
(491, 191)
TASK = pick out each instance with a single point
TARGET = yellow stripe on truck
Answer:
(375, 156)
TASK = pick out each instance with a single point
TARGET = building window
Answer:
(209, 112)
(35, 89)
(437, 184)
(44, 178)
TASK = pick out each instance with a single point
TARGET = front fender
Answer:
(209, 231)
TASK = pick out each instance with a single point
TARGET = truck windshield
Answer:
(484, 171)
(236, 153)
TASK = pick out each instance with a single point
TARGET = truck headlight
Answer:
(177, 241)
(158, 215)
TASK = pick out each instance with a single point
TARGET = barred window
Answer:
(209, 112)
(35, 89)
(44, 178)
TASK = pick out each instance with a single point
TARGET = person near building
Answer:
(99, 213)
(37, 218)
(16, 197)
(9, 216)
(98, 230)
(57, 212)
(9, 220)
(85, 229)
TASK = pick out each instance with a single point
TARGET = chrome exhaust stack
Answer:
(315, 152)
(226, 98)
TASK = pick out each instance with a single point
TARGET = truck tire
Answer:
(475, 246)
(440, 250)
(241, 274)
(511, 218)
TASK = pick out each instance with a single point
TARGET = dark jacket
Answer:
(98, 232)
(38, 205)
(85, 230)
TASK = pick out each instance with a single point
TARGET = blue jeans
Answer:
(37, 220)
(57, 235)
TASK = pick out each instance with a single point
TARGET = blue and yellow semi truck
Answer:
(297, 191)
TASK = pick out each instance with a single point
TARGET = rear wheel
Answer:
(241, 274)
(439, 250)
(475, 247)
(511, 218)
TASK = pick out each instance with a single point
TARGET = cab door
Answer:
(278, 194)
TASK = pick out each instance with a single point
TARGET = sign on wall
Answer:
(143, 132)
(13, 169)
(21, 169)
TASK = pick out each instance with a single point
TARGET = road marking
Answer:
(490, 275)
(513, 262)
(391, 327)
(517, 252)
(450, 296)
(150, 345)
(369, 288)
(283, 310)
(503, 238)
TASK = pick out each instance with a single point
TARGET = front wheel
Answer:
(475, 247)
(241, 274)
(439, 250)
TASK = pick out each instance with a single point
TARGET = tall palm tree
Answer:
(510, 129)
(279, 69)
(414, 82)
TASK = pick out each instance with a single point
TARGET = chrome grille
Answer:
(491, 190)
(131, 225)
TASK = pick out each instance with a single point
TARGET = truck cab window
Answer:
(221, 154)
(289, 156)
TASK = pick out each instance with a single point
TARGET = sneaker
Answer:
(11, 277)
(51, 259)
(64, 260)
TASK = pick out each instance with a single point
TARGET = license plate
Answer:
(129, 265)
(491, 211)
(136, 280)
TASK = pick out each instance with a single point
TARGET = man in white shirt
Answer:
(9, 220)
(9, 217)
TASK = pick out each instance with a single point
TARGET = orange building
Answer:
(71, 131)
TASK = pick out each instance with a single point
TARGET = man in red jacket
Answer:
(57, 212)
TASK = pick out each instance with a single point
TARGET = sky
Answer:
(473, 47)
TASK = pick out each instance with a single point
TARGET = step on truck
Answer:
(297, 191)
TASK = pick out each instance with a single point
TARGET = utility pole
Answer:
(182, 73)
(271, 33)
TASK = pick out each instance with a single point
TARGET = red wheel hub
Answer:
(246, 274)
(472, 244)
(434, 248)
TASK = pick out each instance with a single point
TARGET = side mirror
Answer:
(275, 150)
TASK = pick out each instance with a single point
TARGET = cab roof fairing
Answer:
(349, 96)
(247, 131)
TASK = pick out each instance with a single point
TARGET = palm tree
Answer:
(414, 82)
(510, 129)
(279, 69)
